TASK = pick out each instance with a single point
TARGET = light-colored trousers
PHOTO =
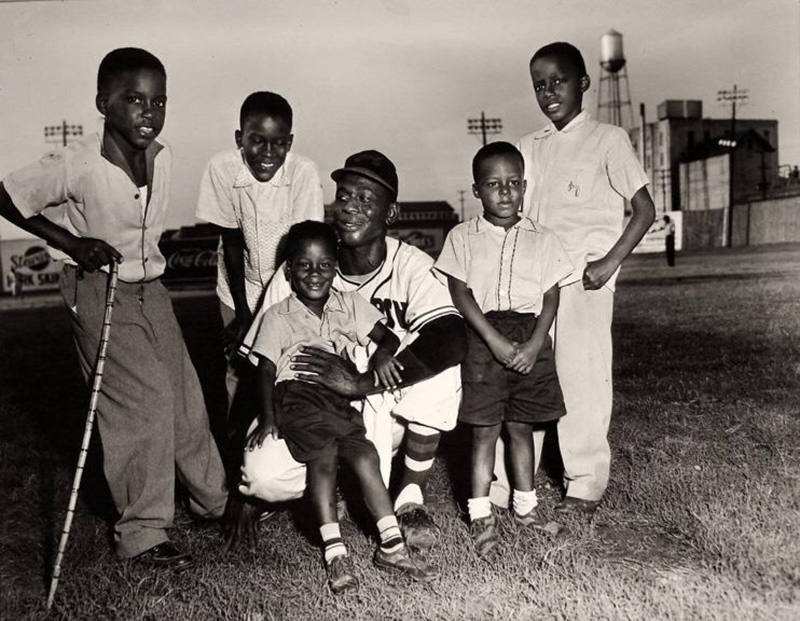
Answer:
(583, 351)
(150, 413)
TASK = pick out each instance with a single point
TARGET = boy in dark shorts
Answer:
(113, 189)
(320, 426)
(503, 271)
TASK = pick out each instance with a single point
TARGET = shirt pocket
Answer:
(573, 182)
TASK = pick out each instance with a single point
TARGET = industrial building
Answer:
(688, 159)
(681, 134)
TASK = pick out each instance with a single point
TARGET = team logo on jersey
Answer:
(394, 311)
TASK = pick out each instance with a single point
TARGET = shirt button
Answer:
(136, 196)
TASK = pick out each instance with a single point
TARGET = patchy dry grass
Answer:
(702, 518)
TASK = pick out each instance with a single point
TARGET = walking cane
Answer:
(87, 432)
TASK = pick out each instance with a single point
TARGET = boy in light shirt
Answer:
(580, 173)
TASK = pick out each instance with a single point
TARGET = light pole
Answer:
(484, 126)
(61, 133)
(461, 200)
(663, 177)
(731, 96)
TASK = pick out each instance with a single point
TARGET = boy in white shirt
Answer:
(254, 193)
(503, 272)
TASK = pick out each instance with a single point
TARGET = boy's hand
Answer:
(92, 254)
(260, 433)
(503, 349)
(233, 334)
(597, 273)
(526, 357)
(387, 369)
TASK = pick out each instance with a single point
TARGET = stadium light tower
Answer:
(731, 96)
(62, 133)
(484, 126)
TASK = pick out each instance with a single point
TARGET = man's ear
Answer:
(100, 103)
(586, 82)
(289, 142)
(286, 270)
(237, 136)
(392, 213)
(475, 190)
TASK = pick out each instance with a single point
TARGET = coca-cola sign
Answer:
(192, 259)
(188, 258)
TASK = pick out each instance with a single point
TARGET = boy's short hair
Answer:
(306, 231)
(268, 104)
(125, 59)
(563, 51)
(491, 150)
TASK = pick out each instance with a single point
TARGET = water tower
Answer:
(610, 102)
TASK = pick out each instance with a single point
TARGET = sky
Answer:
(400, 76)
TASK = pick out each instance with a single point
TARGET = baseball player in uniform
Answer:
(397, 279)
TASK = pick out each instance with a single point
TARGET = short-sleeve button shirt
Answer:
(231, 197)
(347, 319)
(505, 269)
(578, 181)
(100, 200)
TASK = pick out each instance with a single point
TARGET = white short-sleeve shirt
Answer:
(578, 181)
(99, 199)
(505, 269)
(347, 319)
(231, 197)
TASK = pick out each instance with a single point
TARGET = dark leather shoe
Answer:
(166, 555)
(570, 504)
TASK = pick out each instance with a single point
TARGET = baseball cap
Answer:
(373, 165)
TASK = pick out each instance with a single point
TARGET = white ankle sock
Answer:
(524, 501)
(479, 508)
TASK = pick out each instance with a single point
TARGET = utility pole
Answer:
(61, 133)
(484, 126)
(731, 96)
(663, 177)
(461, 200)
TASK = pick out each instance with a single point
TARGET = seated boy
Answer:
(150, 414)
(255, 193)
(503, 272)
(320, 426)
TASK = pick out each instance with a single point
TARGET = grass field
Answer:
(701, 520)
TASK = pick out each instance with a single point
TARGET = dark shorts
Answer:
(315, 421)
(493, 394)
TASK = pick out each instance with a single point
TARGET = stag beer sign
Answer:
(27, 266)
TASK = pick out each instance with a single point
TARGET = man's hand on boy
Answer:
(260, 433)
(526, 357)
(387, 369)
(597, 273)
(92, 254)
(321, 367)
(504, 350)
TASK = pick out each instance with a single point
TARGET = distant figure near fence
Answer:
(669, 240)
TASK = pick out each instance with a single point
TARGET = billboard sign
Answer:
(654, 240)
(27, 266)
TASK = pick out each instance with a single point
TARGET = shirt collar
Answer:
(290, 305)
(480, 225)
(244, 178)
(111, 151)
(579, 119)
